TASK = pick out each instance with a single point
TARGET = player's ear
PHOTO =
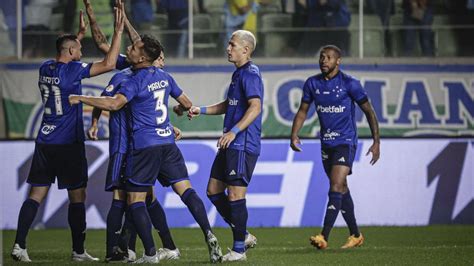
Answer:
(70, 51)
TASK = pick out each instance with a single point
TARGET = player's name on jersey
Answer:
(157, 85)
(49, 80)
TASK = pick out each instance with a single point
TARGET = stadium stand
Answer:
(373, 36)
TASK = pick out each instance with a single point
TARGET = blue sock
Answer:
(239, 216)
(114, 224)
(77, 222)
(334, 205)
(158, 219)
(25, 219)
(143, 227)
(128, 238)
(196, 207)
(347, 210)
(222, 205)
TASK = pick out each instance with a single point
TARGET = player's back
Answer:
(62, 123)
(148, 92)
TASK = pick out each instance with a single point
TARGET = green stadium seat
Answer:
(275, 42)
(374, 45)
(445, 37)
(204, 41)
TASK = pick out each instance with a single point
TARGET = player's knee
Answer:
(77, 195)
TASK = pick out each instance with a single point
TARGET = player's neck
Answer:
(241, 63)
(63, 59)
(331, 75)
(142, 65)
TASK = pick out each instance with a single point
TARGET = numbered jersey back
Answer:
(62, 123)
(148, 93)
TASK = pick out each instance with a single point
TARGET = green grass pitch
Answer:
(427, 245)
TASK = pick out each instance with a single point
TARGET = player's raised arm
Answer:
(374, 129)
(98, 35)
(298, 121)
(82, 26)
(110, 59)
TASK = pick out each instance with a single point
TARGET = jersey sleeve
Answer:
(122, 62)
(113, 85)
(77, 70)
(307, 95)
(357, 92)
(252, 86)
(129, 89)
(175, 91)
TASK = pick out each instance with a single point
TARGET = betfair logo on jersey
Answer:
(157, 85)
(233, 102)
(330, 109)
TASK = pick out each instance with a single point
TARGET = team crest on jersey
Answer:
(109, 88)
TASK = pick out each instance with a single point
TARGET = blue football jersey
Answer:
(118, 130)
(147, 92)
(334, 101)
(122, 62)
(62, 123)
(246, 84)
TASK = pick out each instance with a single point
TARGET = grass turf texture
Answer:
(431, 245)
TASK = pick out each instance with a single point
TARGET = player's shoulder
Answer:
(251, 69)
(314, 78)
(348, 78)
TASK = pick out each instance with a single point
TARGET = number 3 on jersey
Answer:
(160, 106)
(45, 90)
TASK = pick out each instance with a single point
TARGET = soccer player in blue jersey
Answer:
(116, 250)
(153, 153)
(334, 95)
(59, 149)
(239, 146)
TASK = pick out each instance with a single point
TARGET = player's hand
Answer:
(193, 111)
(92, 133)
(82, 26)
(74, 99)
(375, 150)
(225, 140)
(119, 17)
(89, 11)
(177, 133)
(178, 110)
(295, 144)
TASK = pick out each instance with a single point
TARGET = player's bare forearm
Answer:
(299, 119)
(110, 59)
(132, 33)
(99, 37)
(102, 102)
(254, 109)
(372, 120)
(217, 109)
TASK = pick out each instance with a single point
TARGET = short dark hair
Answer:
(61, 40)
(336, 49)
(152, 47)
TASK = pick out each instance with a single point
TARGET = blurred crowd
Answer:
(285, 27)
